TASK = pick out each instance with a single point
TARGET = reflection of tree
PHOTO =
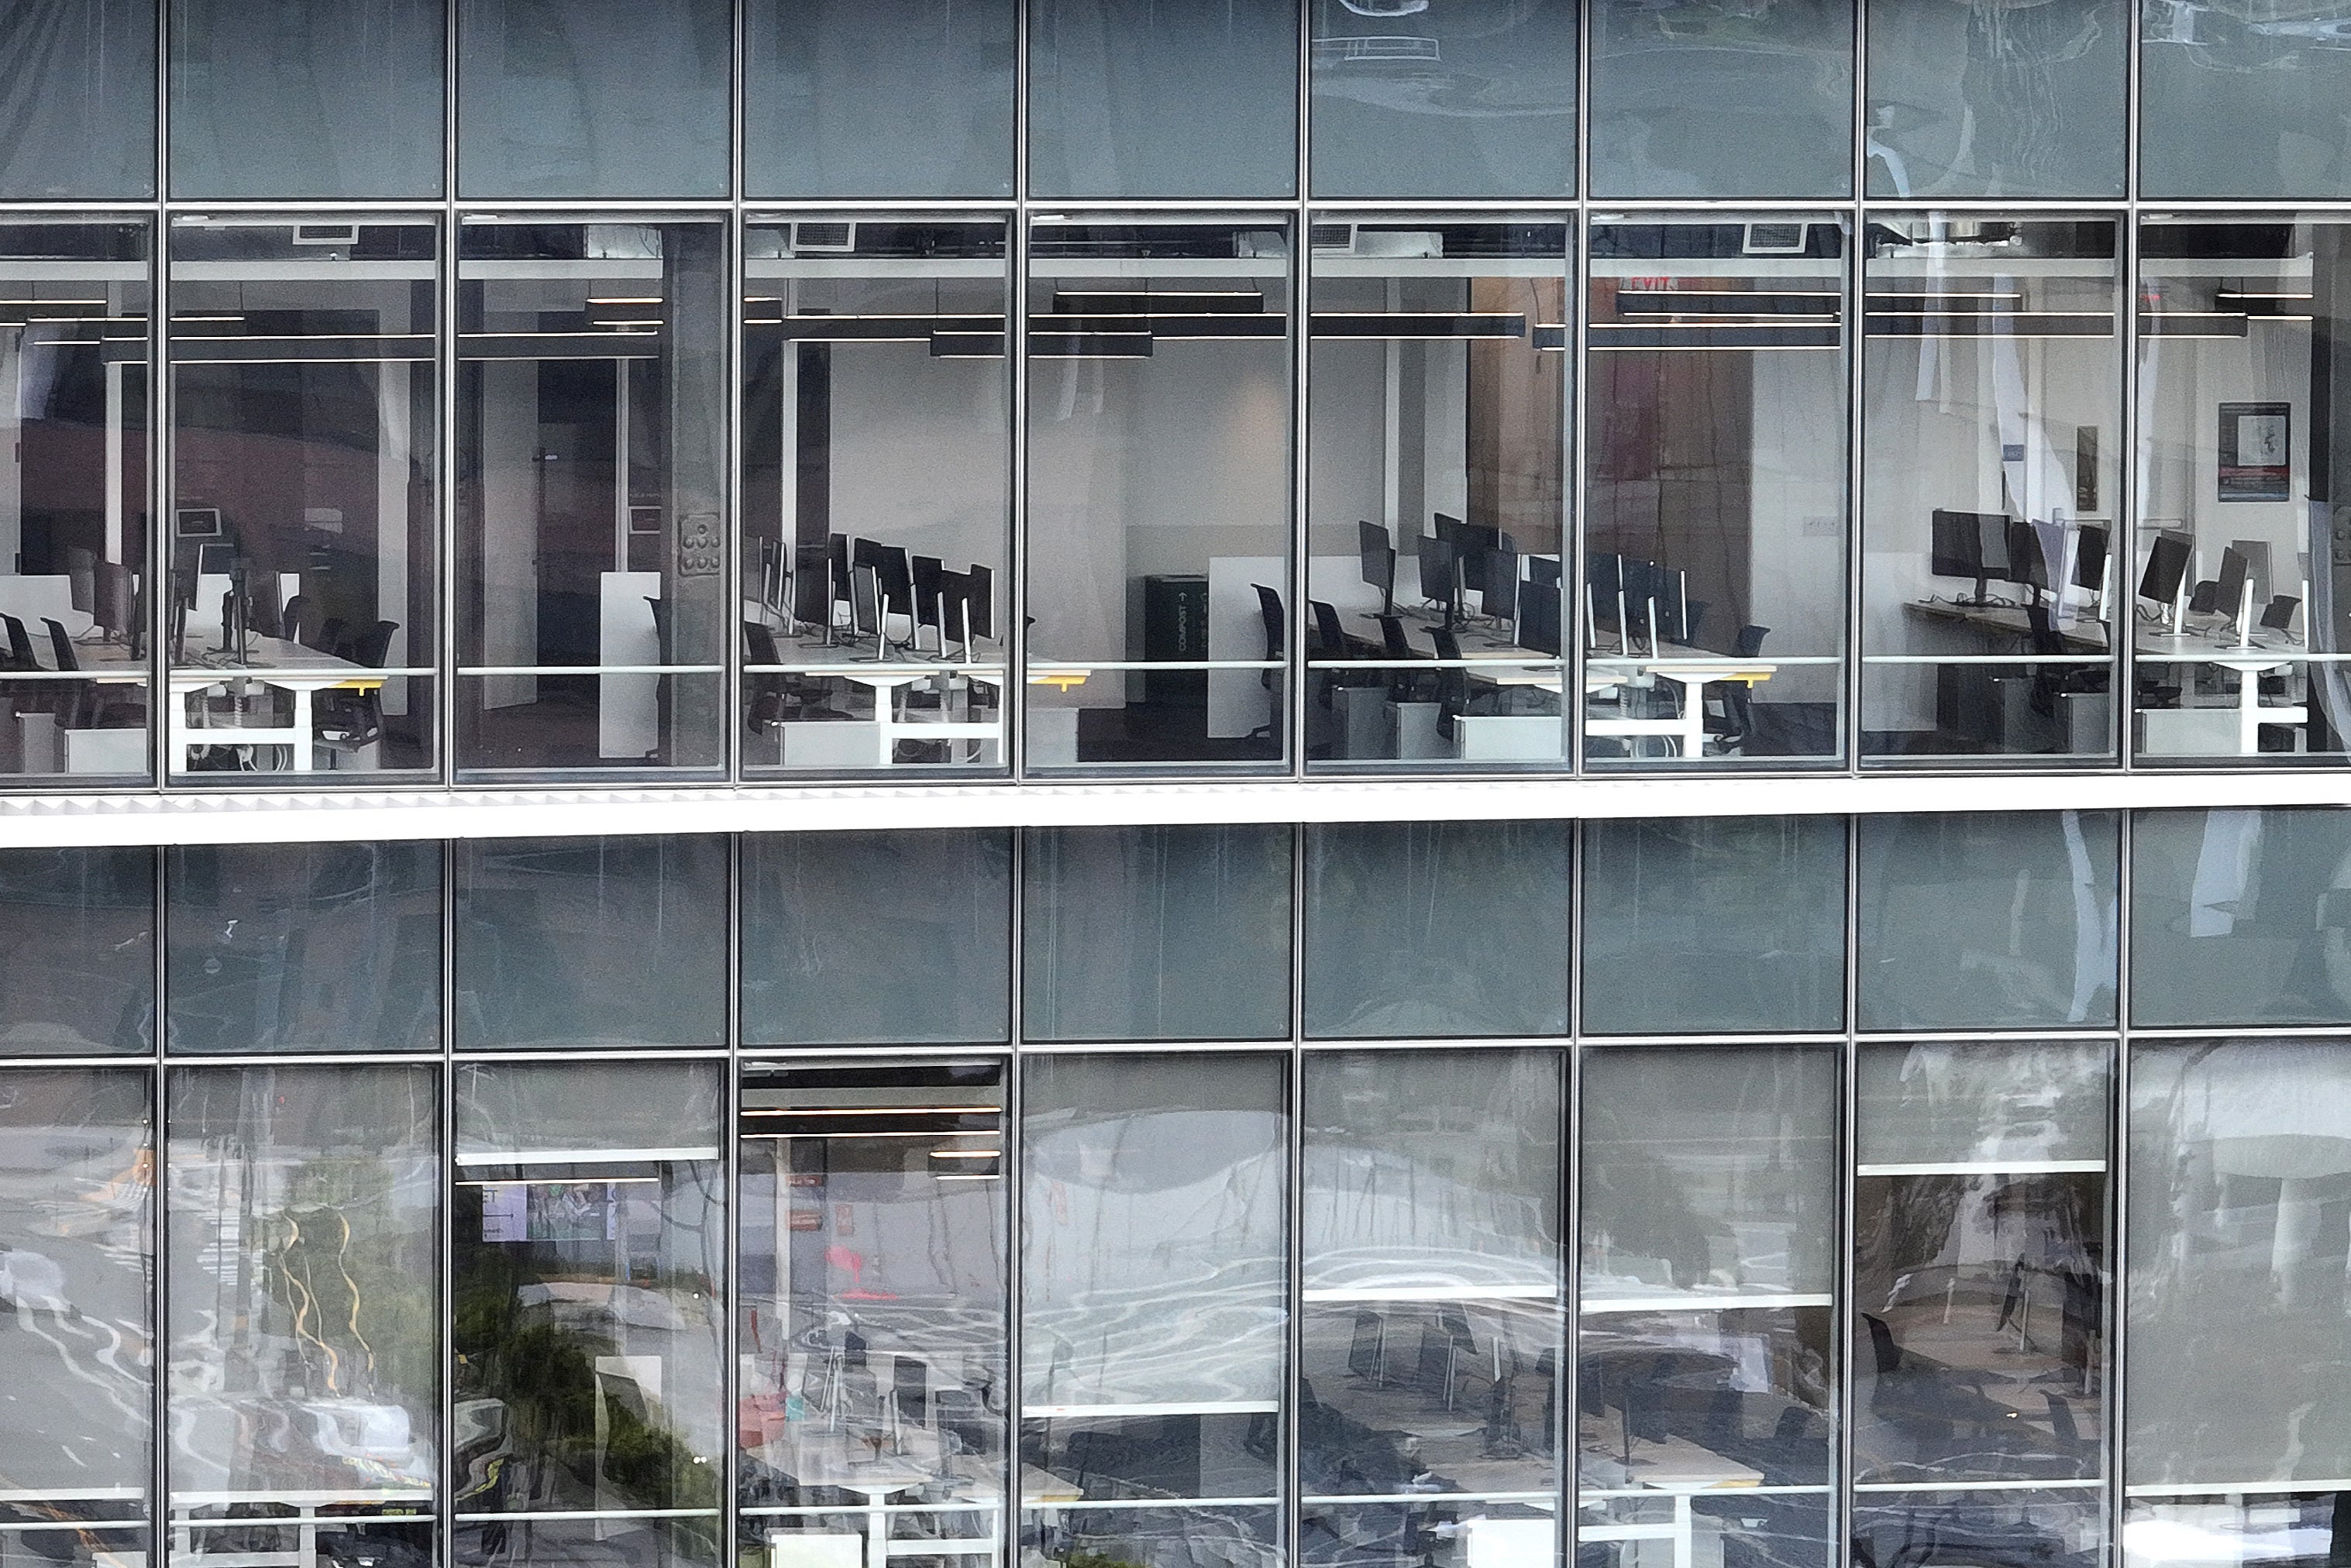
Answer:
(346, 1263)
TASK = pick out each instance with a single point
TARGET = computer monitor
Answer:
(2028, 564)
(1378, 553)
(2257, 567)
(1543, 571)
(1539, 618)
(215, 559)
(2167, 567)
(2090, 557)
(1441, 582)
(2279, 616)
(112, 592)
(1969, 544)
(1604, 584)
(2231, 598)
(198, 523)
(1497, 584)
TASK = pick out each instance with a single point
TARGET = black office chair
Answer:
(1738, 700)
(1268, 607)
(20, 645)
(353, 720)
(2051, 683)
(331, 634)
(292, 620)
(1452, 680)
(1404, 684)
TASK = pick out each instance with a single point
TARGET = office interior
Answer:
(1436, 391)
(1991, 380)
(877, 410)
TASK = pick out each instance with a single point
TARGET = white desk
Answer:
(1689, 668)
(2250, 662)
(186, 1534)
(886, 679)
(300, 671)
(1678, 1467)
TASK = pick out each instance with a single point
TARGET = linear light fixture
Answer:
(874, 1111)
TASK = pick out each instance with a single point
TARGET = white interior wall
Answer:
(509, 527)
(918, 452)
(1796, 522)
(2185, 382)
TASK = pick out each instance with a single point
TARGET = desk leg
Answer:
(877, 1534)
(1692, 737)
(301, 747)
(1685, 1529)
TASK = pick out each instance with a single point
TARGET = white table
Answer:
(301, 672)
(2249, 662)
(886, 680)
(1689, 668)
(304, 1523)
(1681, 1468)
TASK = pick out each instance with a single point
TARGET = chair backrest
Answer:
(1269, 609)
(2046, 638)
(61, 644)
(374, 644)
(20, 645)
(759, 645)
(1393, 642)
(1329, 636)
(1750, 640)
(1449, 646)
(292, 620)
(330, 632)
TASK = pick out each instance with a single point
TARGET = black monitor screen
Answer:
(1498, 584)
(2026, 566)
(1969, 544)
(2090, 558)
(1378, 556)
(2167, 566)
(2233, 569)
(1539, 622)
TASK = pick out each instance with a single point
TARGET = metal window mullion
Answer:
(1842, 1318)
(2113, 1449)
(159, 1220)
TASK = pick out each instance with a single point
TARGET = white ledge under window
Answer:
(293, 816)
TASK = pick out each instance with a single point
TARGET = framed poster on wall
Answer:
(2256, 455)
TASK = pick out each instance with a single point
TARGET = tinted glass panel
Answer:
(1172, 933)
(1988, 921)
(288, 100)
(592, 423)
(878, 98)
(78, 90)
(877, 475)
(591, 941)
(1160, 508)
(1432, 1305)
(73, 506)
(1474, 101)
(1132, 98)
(593, 98)
(1734, 924)
(872, 1319)
(77, 951)
(1714, 548)
(875, 938)
(2246, 101)
(304, 947)
(305, 1215)
(304, 544)
(1152, 1297)
(1982, 98)
(82, 1355)
(1721, 97)
(1704, 1354)
(1438, 928)
(588, 1232)
(2240, 916)
(2238, 1370)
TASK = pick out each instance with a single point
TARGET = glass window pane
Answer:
(77, 951)
(303, 947)
(1153, 1284)
(2238, 1372)
(1992, 399)
(1980, 1282)
(2181, 1528)
(78, 78)
(591, 424)
(73, 500)
(304, 537)
(1433, 1319)
(592, 941)
(589, 1231)
(2040, 1527)
(877, 483)
(1158, 933)
(878, 98)
(593, 98)
(2240, 916)
(1721, 924)
(284, 98)
(872, 1319)
(1132, 98)
(1715, 540)
(303, 1287)
(1159, 493)
(1982, 99)
(1988, 920)
(77, 1258)
(1704, 1348)
(2244, 104)
(1430, 929)
(877, 939)
(1721, 97)
(1442, 102)
(2242, 591)
(1437, 400)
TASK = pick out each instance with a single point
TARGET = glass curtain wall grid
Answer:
(1974, 1223)
(1068, 388)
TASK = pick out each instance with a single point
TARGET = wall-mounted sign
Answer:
(2256, 455)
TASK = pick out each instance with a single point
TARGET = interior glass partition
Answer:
(877, 486)
(591, 492)
(74, 653)
(1437, 383)
(77, 1261)
(1154, 1234)
(2242, 557)
(588, 1245)
(1991, 386)
(1980, 1298)
(302, 558)
(305, 1206)
(1706, 1358)
(873, 1396)
(1715, 552)
(1432, 1312)
(1159, 493)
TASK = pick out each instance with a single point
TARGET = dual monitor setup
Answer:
(856, 587)
(2244, 580)
(1457, 556)
(1638, 600)
(2033, 555)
